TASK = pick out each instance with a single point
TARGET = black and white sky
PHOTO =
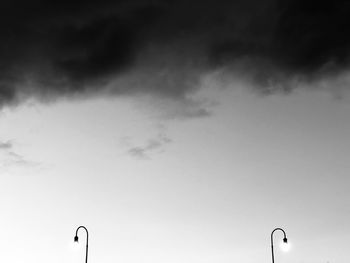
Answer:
(176, 131)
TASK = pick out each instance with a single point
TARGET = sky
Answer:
(174, 131)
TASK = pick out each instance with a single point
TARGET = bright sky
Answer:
(155, 189)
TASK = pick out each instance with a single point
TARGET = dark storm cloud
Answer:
(312, 34)
(50, 49)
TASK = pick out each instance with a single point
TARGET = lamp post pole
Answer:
(76, 239)
(284, 240)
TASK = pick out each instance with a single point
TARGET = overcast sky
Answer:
(175, 131)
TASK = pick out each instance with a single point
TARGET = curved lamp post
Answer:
(76, 239)
(284, 240)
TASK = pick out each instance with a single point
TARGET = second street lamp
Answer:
(76, 239)
(284, 241)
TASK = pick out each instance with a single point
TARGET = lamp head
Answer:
(285, 246)
(76, 239)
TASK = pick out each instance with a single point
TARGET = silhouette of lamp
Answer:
(284, 241)
(76, 239)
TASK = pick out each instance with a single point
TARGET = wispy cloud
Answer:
(5, 145)
(150, 147)
(9, 158)
(17, 159)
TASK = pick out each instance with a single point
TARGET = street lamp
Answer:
(284, 241)
(76, 239)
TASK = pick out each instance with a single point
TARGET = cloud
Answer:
(153, 145)
(6, 145)
(16, 159)
(9, 158)
(54, 49)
